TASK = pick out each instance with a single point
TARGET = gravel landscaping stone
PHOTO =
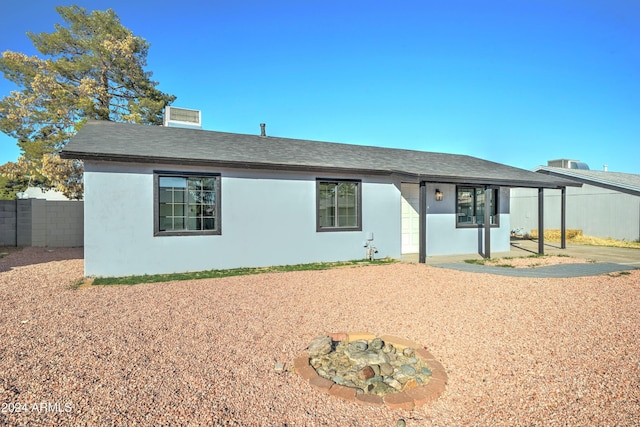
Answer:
(518, 351)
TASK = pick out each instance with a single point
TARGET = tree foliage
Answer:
(93, 68)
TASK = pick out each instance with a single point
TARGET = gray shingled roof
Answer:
(109, 141)
(624, 182)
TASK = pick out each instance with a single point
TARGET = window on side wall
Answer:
(471, 207)
(338, 205)
(186, 204)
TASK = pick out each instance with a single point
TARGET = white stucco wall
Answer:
(445, 238)
(266, 219)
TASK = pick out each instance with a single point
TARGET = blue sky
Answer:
(513, 81)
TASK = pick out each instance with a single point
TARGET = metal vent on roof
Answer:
(580, 165)
(568, 164)
(182, 117)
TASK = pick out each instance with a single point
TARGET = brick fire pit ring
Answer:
(407, 399)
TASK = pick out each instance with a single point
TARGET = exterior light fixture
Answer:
(439, 195)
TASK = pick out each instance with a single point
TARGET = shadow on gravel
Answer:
(19, 257)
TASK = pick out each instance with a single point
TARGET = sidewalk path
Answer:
(550, 271)
(605, 260)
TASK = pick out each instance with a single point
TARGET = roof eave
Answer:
(218, 163)
(127, 158)
(104, 157)
(498, 182)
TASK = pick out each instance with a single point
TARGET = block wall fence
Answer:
(39, 222)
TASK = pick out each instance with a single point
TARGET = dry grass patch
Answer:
(576, 237)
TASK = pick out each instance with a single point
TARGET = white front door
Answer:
(410, 219)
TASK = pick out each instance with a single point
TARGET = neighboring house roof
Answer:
(624, 182)
(39, 193)
(122, 142)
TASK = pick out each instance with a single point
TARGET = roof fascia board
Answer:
(220, 164)
(496, 182)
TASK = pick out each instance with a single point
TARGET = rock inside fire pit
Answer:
(368, 366)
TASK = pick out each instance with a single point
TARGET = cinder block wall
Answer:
(23, 222)
(41, 222)
(38, 222)
(64, 223)
(7, 223)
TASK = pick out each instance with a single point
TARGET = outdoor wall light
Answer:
(438, 195)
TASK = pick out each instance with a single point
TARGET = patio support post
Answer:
(487, 221)
(563, 219)
(541, 221)
(422, 223)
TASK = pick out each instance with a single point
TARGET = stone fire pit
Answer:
(374, 370)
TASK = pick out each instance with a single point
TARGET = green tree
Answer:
(10, 188)
(93, 68)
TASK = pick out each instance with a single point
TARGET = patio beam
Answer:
(422, 223)
(541, 221)
(487, 221)
(563, 219)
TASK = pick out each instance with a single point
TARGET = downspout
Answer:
(563, 219)
(422, 223)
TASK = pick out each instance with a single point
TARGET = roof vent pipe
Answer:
(605, 168)
(263, 131)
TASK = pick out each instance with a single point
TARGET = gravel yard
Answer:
(518, 351)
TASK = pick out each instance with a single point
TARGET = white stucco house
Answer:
(163, 199)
